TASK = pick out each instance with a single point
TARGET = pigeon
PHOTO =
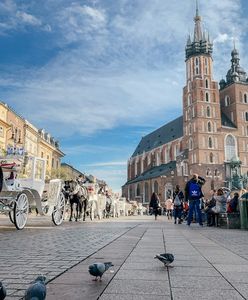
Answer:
(98, 269)
(37, 290)
(3, 292)
(166, 258)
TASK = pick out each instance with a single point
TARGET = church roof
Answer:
(225, 121)
(163, 135)
(164, 169)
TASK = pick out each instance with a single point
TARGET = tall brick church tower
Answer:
(201, 108)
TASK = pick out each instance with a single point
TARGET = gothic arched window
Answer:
(209, 127)
(210, 142)
(138, 190)
(191, 144)
(196, 66)
(211, 157)
(156, 187)
(146, 192)
(206, 83)
(246, 116)
(189, 100)
(227, 101)
(190, 129)
(208, 112)
(230, 147)
(207, 97)
(245, 98)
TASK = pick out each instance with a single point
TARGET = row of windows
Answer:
(210, 143)
(190, 113)
(243, 99)
(211, 127)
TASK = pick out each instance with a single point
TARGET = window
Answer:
(206, 66)
(206, 84)
(1, 131)
(191, 144)
(246, 116)
(146, 192)
(197, 66)
(245, 98)
(193, 112)
(216, 172)
(208, 172)
(189, 100)
(190, 129)
(138, 190)
(156, 187)
(207, 97)
(230, 147)
(208, 112)
(246, 130)
(211, 158)
(42, 155)
(227, 101)
(209, 127)
(210, 142)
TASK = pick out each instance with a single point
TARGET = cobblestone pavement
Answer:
(210, 263)
(42, 248)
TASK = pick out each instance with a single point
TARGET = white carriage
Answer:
(22, 182)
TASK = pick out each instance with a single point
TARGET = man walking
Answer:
(193, 194)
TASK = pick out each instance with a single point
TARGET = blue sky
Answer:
(100, 74)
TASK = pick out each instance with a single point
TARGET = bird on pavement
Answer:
(37, 290)
(98, 269)
(165, 258)
(3, 292)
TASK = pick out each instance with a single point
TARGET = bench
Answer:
(228, 220)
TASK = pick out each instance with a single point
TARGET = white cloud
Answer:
(78, 22)
(222, 38)
(28, 18)
(124, 63)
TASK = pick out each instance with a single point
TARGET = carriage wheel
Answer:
(59, 210)
(21, 209)
(11, 216)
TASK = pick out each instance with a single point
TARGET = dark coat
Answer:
(154, 203)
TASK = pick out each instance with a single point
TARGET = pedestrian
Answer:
(233, 204)
(155, 204)
(178, 204)
(169, 208)
(193, 194)
(209, 204)
(220, 206)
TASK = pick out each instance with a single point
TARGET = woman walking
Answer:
(154, 204)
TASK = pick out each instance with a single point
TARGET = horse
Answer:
(78, 194)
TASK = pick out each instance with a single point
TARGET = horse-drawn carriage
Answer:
(23, 187)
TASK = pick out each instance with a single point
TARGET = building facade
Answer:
(19, 136)
(210, 139)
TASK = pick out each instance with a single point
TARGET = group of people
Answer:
(189, 204)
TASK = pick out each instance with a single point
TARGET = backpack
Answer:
(177, 201)
(194, 190)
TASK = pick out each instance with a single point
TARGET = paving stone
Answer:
(201, 283)
(136, 287)
(143, 274)
(210, 294)
(133, 297)
(193, 271)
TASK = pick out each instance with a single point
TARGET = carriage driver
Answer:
(81, 179)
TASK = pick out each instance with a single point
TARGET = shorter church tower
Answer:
(234, 104)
